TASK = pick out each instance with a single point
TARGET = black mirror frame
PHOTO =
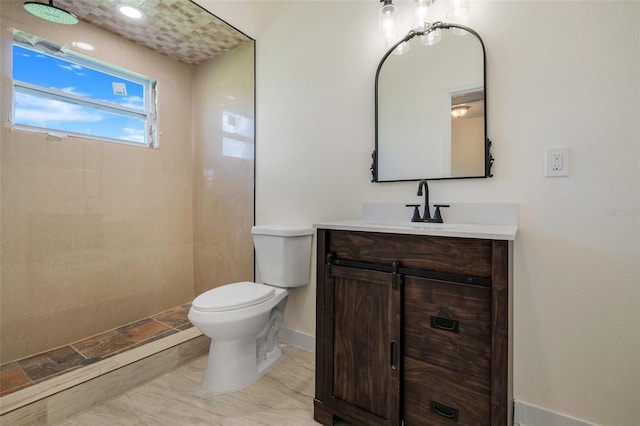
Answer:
(488, 163)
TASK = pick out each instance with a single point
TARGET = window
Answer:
(59, 91)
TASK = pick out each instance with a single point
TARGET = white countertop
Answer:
(493, 232)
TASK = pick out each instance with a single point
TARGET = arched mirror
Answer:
(431, 108)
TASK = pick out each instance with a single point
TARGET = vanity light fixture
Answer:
(424, 22)
(459, 111)
(130, 11)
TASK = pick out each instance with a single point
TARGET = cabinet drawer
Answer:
(437, 396)
(460, 256)
(448, 324)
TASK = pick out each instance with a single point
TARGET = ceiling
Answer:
(180, 29)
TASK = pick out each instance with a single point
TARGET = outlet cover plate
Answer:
(556, 161)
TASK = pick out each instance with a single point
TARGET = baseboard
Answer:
(298, 339)
(531, 415)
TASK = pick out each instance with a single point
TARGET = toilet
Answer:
(243, 319)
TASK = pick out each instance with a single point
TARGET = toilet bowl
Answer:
(243, 319)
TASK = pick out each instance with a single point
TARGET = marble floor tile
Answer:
(50, 363)
(283, 396)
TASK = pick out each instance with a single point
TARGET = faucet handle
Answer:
(416, 212)
(437, 216)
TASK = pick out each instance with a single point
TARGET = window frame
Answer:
(148, 114)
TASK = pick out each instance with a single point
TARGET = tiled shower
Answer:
(103, 239)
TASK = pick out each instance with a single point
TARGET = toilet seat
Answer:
(233, 296)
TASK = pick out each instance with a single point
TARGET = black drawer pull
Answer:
(445, 324)
(394, 355)
(444, 410)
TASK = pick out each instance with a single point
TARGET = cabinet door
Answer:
(364, 326)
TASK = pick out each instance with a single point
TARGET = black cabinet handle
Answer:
(394, 355)
(445, 324)
(444, 410)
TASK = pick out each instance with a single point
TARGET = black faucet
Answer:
(437, 216)
(427, 211)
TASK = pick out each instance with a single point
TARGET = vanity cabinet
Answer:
(412, 329)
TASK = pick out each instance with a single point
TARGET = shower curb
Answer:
(61, 397)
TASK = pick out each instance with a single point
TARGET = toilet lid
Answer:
(233, 296)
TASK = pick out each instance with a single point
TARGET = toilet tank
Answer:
(283, 254)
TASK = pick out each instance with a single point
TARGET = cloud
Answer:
(133, 135)
(136, 102)
(71, 67)
(64, 116)
(73, 91)
(42, 112)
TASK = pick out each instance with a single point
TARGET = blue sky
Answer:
(51, 72)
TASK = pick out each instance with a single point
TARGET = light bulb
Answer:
(421, 11)
(387, 23)
(389, 30)
(387, 8)
(458, 9)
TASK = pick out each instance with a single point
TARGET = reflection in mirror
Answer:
(430, 109)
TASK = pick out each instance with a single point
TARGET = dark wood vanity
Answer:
(412, 329)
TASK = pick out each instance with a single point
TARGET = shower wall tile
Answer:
(94, 234)
(23, 149)
(224, 176)
(97, 234)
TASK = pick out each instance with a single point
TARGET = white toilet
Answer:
(243, 319)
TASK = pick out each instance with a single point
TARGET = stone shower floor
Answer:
(25, 372)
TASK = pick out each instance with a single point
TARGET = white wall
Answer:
(559, 73)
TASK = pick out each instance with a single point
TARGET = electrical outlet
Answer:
(556, 161)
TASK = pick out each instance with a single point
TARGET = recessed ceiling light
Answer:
(130, 11)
